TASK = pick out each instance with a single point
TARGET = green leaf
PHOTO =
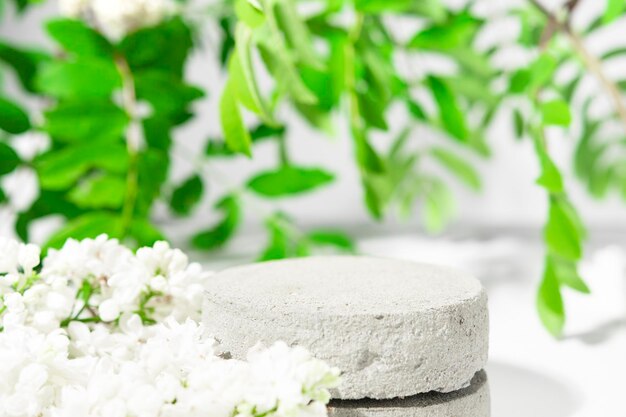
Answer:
(455, 33)
(23, 62)
(567, 274)
(48, 202)
(289, 180)
(449, 111)
(332, 238)
(76, 37)
(103, 191)
(416, 110)
(550, 302)
(144, 232)
(542, 70)
(439, 206)
(550, 177)
(153, 168)
(283, 242)
(89, 120)
(84, 79)
(520, 81)
(243, 77)
(187, 195)
(367, 157)
(457, 166)
(249, 14)
(296, 33)
(556, 112)
(168, 95)
(61, 169)
(165, 46)
(235, 133)
(561, 232)
(88, 225)
(13, 119)
(280, 64)
(518, 123)
(433, 9)
(371, 111)
(217, 236)
(9, 160)
(614, 9)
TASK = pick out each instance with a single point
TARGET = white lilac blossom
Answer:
(116, 18)
(96, 330)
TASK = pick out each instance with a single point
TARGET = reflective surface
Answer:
(518, 392)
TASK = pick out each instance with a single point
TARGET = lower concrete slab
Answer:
(472, 401)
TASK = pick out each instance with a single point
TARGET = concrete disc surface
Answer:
(394, 328)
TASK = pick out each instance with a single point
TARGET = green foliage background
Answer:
(108, 163)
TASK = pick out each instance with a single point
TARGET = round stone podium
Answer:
(394, 328)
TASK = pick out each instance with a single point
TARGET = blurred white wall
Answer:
(509, 197)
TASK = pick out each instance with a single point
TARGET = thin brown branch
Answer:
(591, 62)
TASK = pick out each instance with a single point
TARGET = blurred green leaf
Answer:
(289, 180)
(439, 206)
(283, 242)
(567, 274)
(153, 168)
(168, 95)
(454, 33)
(23, 62)
(84, 79)
(76, 37)
(13, 119)
(433, 9)
(249, 14)
(550, 177)
(614, 9)
(187, 195)
(165, 46)
(449, 111)
(9, 160)
(296, 33)
(86, 120)
(561, 232)
(550, 302)
(281, 65)
(518, 123)
(236, 135)
(243, 76)
(88, 225)
(144, 232)
(61, 169)
(519, 81)
(332, 238)
(217, 236)
(48, 203)
(102, 191)
(457, 166)
(556, 112)
(542, 70)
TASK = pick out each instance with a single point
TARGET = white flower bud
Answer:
(109, 310)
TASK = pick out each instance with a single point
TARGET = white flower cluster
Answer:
(116, 18)
(96, 330)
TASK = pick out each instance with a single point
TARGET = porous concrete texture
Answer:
(472, 401)
(394, 328)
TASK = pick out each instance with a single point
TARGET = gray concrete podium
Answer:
(396, 329)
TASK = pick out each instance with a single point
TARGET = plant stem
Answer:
(592, 63)
(133, 142)
(595, 67)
